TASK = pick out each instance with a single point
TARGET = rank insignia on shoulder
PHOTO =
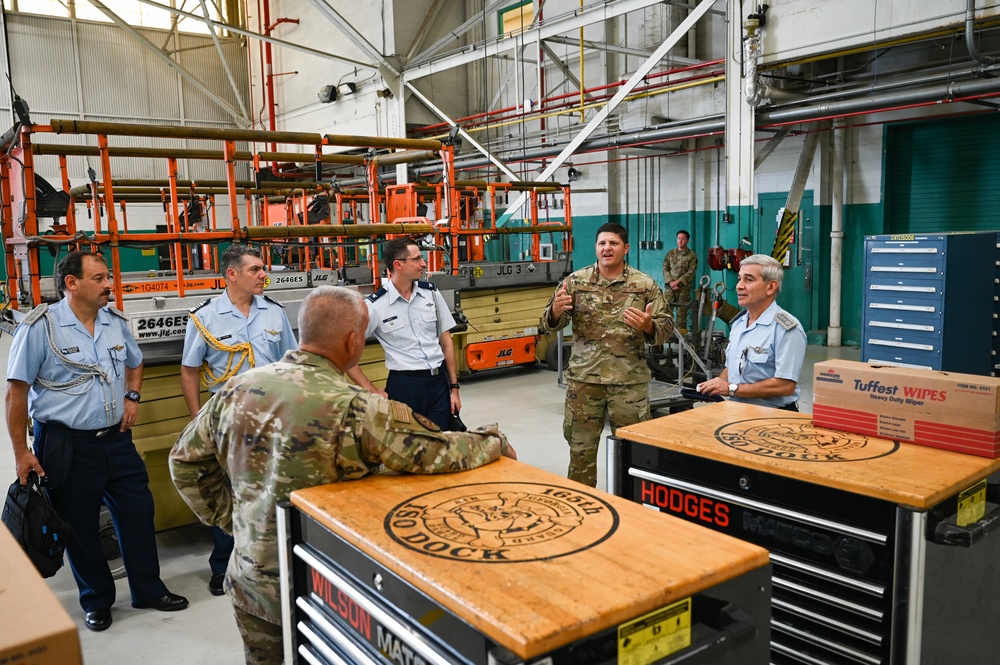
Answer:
(273, 301)
(427, 285)
(375, 296)
(35, 314)
(785, 321)
(117, 312)
(199, 305)
(426, 422)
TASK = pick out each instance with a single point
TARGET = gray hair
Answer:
(329, 313)
(770, 269)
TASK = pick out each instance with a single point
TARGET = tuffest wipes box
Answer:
(959, 412)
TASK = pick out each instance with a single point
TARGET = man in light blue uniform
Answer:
(227, 335)
(411, 321)
(766, 344)
(76, 370)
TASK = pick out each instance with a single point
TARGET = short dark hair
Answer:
(72, 264)
(612, 227)
(686, 234)
(396, 250)
(233, 257)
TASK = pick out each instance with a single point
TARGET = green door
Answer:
(797, 288)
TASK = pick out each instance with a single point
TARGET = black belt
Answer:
(95, 433)
(417, 372)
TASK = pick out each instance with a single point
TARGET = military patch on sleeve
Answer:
(426, 422)
(785, 321)
(400, 412)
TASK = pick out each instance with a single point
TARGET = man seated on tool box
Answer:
(766, 344)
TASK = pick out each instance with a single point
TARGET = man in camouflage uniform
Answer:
(615, 311)
(298, 423)
(679, 268)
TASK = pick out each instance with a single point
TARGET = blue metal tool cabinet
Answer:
(929, 301)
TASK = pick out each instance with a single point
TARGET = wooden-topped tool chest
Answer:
(881, 552)
(509, 564)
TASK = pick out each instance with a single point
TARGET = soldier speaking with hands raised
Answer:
(615, 310)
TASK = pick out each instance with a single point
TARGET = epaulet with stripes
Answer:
(35, 314)
(117, 312)
(272, 300)
(200, 305)
(785, 320)
(427, 285)
(375, 296)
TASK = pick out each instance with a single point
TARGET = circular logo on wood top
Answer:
(796, 439)
(501, 522)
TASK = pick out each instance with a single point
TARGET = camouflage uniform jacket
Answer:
(680, 265)
(292, 424)
(607, 350)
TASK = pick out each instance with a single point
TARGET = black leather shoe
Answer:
(98, 620)
(215, 584)
(169, 603)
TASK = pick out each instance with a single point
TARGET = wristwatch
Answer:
(132, 395)
(454, 386)
(732, 389)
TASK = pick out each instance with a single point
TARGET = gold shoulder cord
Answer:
(244, 349)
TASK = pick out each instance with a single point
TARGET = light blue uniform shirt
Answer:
(765, 350)
(98, 402)
(267, 329)
(410, 332)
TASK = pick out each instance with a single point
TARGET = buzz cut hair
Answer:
(330, 313)
(613, 227)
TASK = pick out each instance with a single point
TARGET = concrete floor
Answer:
(526, 402)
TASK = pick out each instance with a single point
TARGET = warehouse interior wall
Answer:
(657, 164)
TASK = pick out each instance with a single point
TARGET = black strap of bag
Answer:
(35, 525)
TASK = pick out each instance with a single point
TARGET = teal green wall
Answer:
(859, 221)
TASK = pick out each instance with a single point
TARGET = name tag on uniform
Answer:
(391, 318)
(72, 349)
(223, 337)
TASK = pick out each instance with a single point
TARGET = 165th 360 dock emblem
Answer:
(501, 522)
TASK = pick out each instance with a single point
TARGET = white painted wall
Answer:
(803, 28)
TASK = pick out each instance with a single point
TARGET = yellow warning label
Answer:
(656, 635)
(477, 272)
(149, 251)
(267, 281)
(972, 504)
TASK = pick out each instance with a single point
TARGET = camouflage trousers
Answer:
(587, 404)
(681, 311)
(262, 643)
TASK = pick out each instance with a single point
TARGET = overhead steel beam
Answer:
(769, 147)
(622, 93)
(622, 50)
(457, 32)
(550, 28)
(222, 60)
(464, 134)
(424, 29)
(561, 66)
(264, 38)
(332, 15)
(241, 119)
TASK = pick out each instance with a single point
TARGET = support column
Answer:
(740, 196)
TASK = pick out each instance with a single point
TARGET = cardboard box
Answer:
(959, 412)
(36, 630)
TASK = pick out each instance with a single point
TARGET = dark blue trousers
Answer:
(428, 395)
(107, 469)
(224, 543)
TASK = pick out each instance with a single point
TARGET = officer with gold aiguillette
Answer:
(227, 335)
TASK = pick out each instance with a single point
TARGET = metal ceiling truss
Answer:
(241, 118)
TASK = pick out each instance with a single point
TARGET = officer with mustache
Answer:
(76, 370)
